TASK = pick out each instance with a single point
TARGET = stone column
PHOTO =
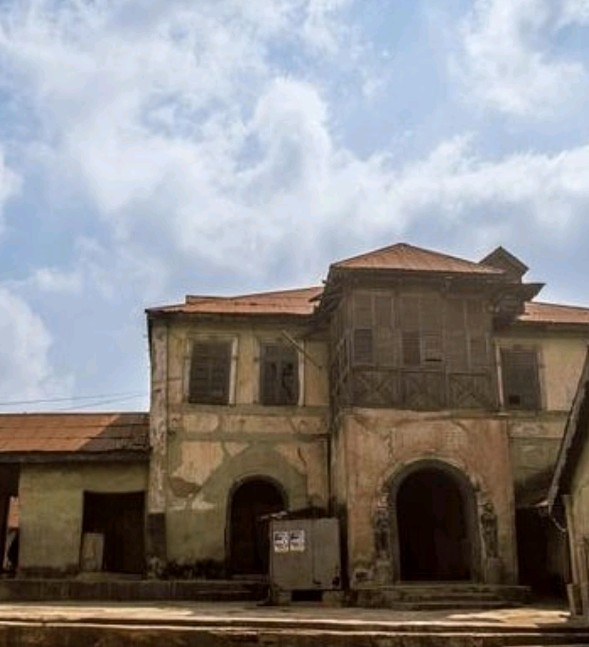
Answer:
(156, 547)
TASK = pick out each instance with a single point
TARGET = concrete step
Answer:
(30, 590)
(439, 596)
(81, 635)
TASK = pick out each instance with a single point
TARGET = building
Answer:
(418, 397)
(569, 490)
(73, 474)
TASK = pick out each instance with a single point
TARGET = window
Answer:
(279, 375)
(521, 385)
(210, 369)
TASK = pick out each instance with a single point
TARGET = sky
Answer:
(152, 149)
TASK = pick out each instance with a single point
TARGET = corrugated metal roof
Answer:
(74, 432)
(408, 258)
(300, 302)
(539, 312)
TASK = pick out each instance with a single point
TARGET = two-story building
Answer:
(418, 397)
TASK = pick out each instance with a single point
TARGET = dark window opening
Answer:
(521, 386)
(279, 380)
(118, 520)
(210, 370)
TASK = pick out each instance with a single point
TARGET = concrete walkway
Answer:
(309, 614)
(298, 625)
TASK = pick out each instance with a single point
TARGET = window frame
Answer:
(502, 350)
(193, 340)
(264, 341)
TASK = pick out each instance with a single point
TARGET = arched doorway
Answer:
(434, 519)
(250, 501)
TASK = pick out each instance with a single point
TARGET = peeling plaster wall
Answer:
(212, 448)
(578, 527)
(51, 509)
(535, 438)
(561, 358)
(380, 443)
(534, 445)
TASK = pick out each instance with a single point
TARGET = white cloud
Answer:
(54, 280)
(507, 59)
(9, 185)
(196, 152)
(321, 29)
(24, 354)
(575, 12)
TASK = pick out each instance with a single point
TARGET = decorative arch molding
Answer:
(386, 522)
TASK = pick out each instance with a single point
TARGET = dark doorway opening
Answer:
(542, 554)
(9, 518)
(248, 542)
(434, 542)
(119, 518)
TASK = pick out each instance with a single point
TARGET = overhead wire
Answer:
(100, 403)
(121, 394)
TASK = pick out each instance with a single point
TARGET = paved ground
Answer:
(203, 614)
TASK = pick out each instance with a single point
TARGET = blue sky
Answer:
(153, 149)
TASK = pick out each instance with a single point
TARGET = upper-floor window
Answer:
(420, 331)
(279, 374)
(519, 375)
(210, 372)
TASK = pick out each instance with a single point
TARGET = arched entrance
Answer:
(435, 522)
(249, 502)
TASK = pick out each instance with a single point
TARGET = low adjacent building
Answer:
(74, 476)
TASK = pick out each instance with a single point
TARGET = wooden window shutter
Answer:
(411, 347)
(210, 369)
(409, 324)
(279, 375)
(383, 311)
(456, 338)
(363, 346)
(431, 322)
(363, 310)
(384, 334)
(521, 385)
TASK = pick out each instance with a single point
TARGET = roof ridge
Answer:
(423, 250)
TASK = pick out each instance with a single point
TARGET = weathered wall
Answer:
(247, 338)
(211, 448)
(578, 526)
(214, 451)
(560, 357)
(51, 509)
(379, 444)
(534, 444)
(535, 438)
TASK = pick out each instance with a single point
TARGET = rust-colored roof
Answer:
(74, 432)
(415, 259)
(299, 302)
(554, 313)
